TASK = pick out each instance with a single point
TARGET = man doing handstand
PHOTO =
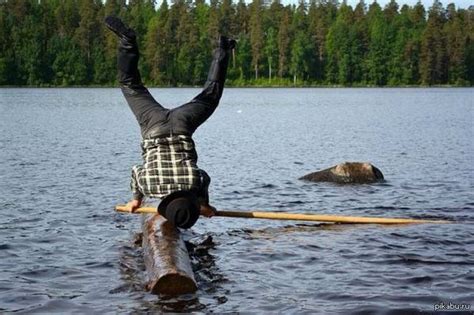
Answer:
(169, 171)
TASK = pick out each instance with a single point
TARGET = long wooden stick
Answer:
(298, 217)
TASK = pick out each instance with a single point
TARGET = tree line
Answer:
(320, 42)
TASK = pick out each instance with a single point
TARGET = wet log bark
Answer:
(166, 258)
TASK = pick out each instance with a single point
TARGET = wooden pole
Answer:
(320, 217)
(166, 258)
(299, 217)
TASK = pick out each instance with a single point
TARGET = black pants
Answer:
(154, 119)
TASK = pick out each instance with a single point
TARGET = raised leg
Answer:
(203, 105)
(145, 108)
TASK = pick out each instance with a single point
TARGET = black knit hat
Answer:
(181, 208)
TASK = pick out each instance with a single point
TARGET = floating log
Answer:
(166, 258)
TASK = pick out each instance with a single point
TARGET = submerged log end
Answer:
(173, 284)
(166, 258)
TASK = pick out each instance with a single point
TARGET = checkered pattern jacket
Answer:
(169, 165)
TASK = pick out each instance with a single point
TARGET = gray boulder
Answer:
(347, 173)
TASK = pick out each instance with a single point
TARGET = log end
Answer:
(166, 258)
(173, 284)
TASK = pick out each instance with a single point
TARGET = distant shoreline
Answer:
(243, 86)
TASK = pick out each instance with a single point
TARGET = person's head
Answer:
(181, 208)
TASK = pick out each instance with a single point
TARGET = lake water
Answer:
(66, 157)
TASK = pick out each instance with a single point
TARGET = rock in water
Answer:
(346, 173)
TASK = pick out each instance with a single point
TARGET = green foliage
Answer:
(301, 57)
(283, 44)
(69, 63)
(434, 58)
(271, 50)
(380, 49)
(243, 58)
(256, 34)
(64, 43)
(344, 47)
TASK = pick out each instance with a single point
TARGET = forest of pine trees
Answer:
(320, 42)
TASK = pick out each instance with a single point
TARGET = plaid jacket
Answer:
(169, 165)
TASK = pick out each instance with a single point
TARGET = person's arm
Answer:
(137, 194)
(134, 204)
(203, 196)
(207, 210)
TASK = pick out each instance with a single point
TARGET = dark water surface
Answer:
(66, 157)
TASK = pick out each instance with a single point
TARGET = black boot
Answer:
(120, 29)
(128, 55)
(226, 43)
(214, 85)
(220, 60)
